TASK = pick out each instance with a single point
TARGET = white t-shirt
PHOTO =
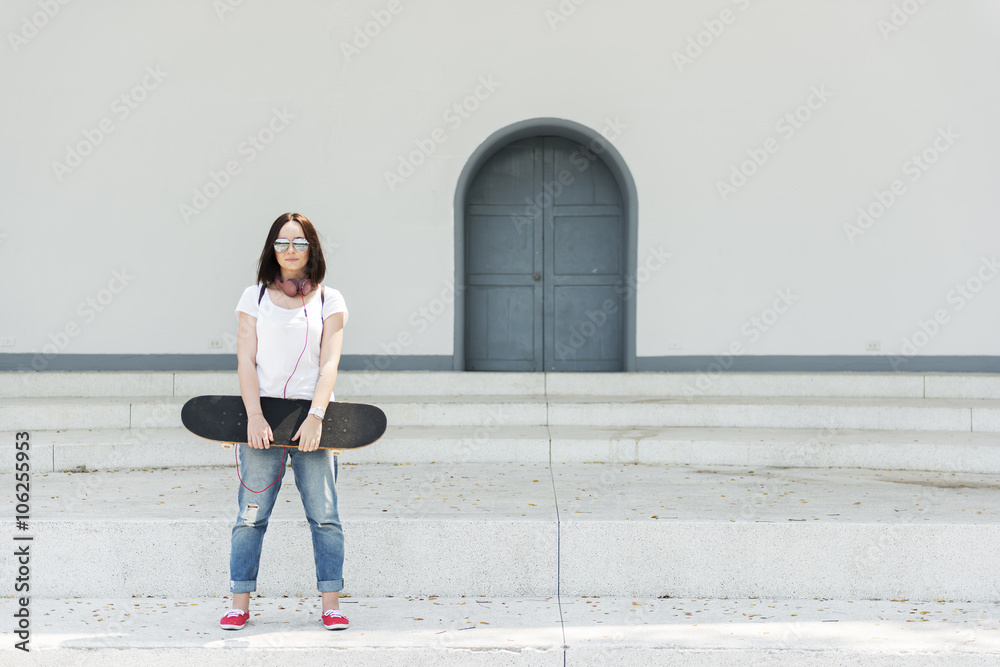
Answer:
(281, 336)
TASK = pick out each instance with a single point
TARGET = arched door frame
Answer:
(626, 185)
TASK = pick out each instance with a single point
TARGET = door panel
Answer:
(501, 327)
(591, 183)
(508, 178)
(544, 261)
(498, 247)
(503, 251)
(587, 245)
(587, 331)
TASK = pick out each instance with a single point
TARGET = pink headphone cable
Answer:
(284, 392)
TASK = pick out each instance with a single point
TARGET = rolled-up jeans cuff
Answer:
(330, 586)
(242, 586)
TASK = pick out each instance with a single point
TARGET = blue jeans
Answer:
(315, 478)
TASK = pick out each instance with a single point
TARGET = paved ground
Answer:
(598, 622)
(532, 491)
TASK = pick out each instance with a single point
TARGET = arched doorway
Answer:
(546, 234)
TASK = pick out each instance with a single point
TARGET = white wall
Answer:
(391, 252)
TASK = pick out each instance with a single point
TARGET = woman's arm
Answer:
(329, 359)
(258, 430)
(311, 430)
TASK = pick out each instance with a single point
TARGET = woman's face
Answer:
(292, 260)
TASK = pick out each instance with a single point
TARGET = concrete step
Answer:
(822, 413)
(59, 413)
(532, 631)
(420, 383)
(114, 449)
(198, 383)
(522, 530)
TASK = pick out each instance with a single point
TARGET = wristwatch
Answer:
(318, 413)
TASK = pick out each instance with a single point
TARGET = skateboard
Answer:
(224, 419)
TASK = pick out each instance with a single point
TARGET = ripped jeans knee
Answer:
(249, 514)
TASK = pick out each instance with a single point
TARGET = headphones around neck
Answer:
(291, 287)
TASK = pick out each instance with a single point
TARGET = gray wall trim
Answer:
(363, 362)
(567, 129)
(117, 362)
(821, 364)
(204, 362)
(401, 362)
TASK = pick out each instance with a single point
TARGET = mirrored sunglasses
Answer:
(281, 245)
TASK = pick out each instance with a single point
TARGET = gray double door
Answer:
(544, 261)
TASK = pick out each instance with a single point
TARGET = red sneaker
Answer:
(334, 620)
(234, 619)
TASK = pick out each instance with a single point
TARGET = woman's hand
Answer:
(311, 430)
(259, 433)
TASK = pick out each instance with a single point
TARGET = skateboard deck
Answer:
(224, 419)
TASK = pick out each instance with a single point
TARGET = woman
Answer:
(291, 330)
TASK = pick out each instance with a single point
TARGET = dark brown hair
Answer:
(267, 266)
